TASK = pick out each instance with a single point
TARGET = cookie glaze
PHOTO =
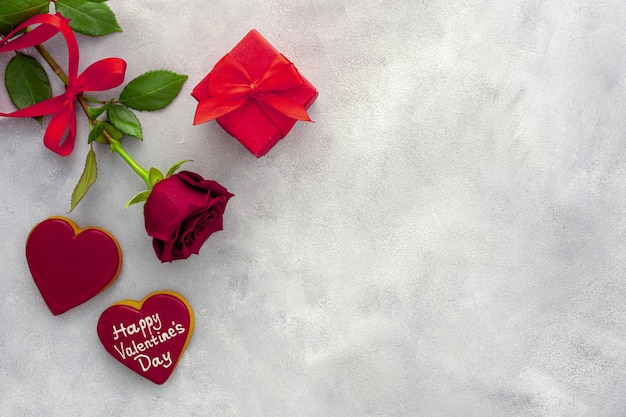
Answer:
(70, 265)
(149, 336)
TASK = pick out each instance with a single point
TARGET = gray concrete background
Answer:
(447, 239)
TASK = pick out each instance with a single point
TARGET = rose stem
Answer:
(53, 64)
(116, 146)
(61, 74)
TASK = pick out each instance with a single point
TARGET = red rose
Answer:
(181, 213)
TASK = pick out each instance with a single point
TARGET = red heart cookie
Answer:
(149, 336)
(70, 265)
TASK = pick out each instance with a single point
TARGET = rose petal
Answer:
(168, 205)
(196, 180)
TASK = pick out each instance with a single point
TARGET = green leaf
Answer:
(142, 196)
(112, 131)
(14, 12)
(26, 81)
(97, 133)
(95, 112)
(152, 90)
(91, 18)
(154, 176)
(175, 167)
(86, 180)
(125, 120)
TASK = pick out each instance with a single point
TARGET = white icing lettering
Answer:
(146, 326)
(139, 347)
(116, 331)
(120, 350)
(157, 319)
(132, 329)
(146, 362)
(154, 333)
(167, 357)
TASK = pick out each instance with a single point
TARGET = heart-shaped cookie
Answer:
(149, 336)
(70, 265)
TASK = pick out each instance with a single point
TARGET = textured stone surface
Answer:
(447, 239)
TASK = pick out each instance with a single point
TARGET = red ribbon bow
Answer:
(230, 86)
(99, 76)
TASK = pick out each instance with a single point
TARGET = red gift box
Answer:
(255, 93)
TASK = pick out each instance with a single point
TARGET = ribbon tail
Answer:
(214, 107)
(42, 108)
(102, 75)
(61, 132)
(284, 106)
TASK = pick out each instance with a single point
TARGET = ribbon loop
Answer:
(281, 75)
(49, 26)
(102, 75)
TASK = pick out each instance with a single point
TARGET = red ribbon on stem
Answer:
(230, 86)
(102, 75)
